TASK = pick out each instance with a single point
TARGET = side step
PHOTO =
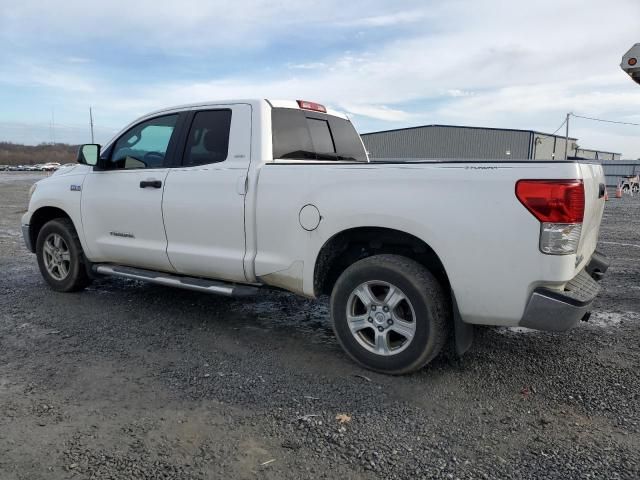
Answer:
(169, 280)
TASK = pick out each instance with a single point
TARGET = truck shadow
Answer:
(307, 322)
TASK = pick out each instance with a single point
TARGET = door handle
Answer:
(150, 183)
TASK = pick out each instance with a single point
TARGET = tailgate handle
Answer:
(601, 189)
(150, 183)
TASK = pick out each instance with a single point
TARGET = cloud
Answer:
(195, 24)
(390, 64)
(76, 60)
(456, 92)
(48, 76)
(388, 20)
(309, 66)
(380, 112)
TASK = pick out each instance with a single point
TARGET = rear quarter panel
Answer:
(468, 214)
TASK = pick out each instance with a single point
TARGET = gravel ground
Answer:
(128, 380)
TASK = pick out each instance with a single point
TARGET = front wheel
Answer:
(60, 256)
(390, 314)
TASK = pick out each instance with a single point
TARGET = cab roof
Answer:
(272, 103)
(294, 104)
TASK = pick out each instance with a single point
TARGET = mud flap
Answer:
(462, 332)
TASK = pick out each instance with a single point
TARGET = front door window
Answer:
(145, 145)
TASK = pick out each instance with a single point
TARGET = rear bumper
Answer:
(557, 311)
(26, 235)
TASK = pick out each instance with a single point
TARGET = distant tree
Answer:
(17, 154)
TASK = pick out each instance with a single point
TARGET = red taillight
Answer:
(554, 201)
(632, 61)
(311, 106)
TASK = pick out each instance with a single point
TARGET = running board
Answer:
(169, 280)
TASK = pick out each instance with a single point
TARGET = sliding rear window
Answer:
(304, 135)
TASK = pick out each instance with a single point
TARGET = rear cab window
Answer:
(208, 138)
(308, 135)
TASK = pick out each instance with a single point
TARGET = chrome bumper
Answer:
(557, 311)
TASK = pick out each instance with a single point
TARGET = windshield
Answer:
(306, 135)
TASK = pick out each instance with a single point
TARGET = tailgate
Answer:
(593, 177)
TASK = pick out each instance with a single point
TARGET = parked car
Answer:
(50, 167)
(229, 197)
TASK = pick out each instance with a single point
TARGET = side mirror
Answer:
(89, 154)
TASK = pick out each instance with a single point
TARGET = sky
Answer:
(494, 63)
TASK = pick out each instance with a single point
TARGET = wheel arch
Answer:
(40, 217)
(353, 244)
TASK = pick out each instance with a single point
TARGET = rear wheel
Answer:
(390, 314)
(60, 256)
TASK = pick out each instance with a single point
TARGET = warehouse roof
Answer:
(473, 128)
(598, 151)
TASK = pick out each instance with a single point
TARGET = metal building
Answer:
(448, 141)
(615, 170)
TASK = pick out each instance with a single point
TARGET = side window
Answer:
(208, 140)
(145, 145)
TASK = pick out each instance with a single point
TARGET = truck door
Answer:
(122, 203)
(203, 203)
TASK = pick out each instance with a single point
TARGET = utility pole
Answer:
(566, 138)
(91, 124)
(53, 126)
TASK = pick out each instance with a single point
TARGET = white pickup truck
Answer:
(227, 197)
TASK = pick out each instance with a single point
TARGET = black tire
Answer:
(430, 305)
(77, 277)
